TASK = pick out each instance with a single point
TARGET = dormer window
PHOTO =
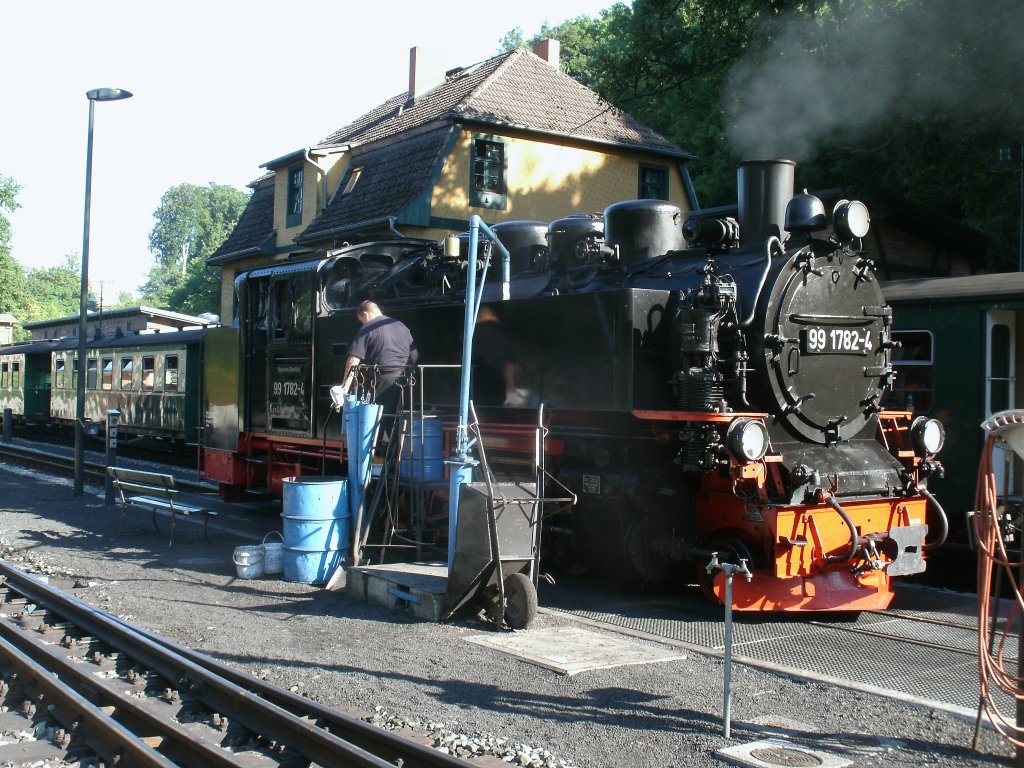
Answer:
(293, 216)
(488, 188)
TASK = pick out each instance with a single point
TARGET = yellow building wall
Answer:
(312, 193)
(546, 181)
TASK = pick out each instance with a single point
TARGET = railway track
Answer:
(50, 461)
(78, 684)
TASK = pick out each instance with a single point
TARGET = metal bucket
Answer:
(315, 496)
(273, 554)
(316, 527)
(249, 561)
(422, 451)
(310, 567)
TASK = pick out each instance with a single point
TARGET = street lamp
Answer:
(97, 94)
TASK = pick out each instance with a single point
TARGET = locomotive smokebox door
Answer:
(496, 550)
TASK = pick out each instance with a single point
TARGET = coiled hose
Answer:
(993, 558)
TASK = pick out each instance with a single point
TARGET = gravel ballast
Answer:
(422, 677)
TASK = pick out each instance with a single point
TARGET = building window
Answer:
(653, 182)
(294, 214)
(171, 373)
(914, 363)
(126, 372)
(488, 184)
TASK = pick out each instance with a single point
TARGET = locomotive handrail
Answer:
(764, 276)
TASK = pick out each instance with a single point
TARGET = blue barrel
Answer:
(316, 527)
(422, 451)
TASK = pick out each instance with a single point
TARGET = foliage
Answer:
(191, 223)
(53, 291)
(857, 91)
(12, 275)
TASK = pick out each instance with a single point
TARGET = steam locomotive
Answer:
(709, 386)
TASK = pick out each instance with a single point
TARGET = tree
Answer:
(12, 275)
(53, 291)
(191, 223)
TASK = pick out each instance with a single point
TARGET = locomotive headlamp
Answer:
(850, 220)
(747, 439)
(927, 435)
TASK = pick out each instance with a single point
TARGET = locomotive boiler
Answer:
(712, 385)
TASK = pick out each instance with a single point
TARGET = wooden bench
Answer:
(154, 491)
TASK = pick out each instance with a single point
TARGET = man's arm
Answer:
(350, 372)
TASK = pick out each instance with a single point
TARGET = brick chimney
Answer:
(426, 71)
(549, 50)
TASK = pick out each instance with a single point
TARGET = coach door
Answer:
(1000, 381)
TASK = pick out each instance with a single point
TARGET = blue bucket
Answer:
(422, 450)
(316, 527)
(313, 567)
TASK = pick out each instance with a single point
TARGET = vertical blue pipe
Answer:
(461, 464)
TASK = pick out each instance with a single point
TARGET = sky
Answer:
(220, 87)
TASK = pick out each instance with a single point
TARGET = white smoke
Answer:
(847, 79)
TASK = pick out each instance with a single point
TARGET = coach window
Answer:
(293, 216)
(148, 374)
(488, 183)
(126, 372)
(74, 373)
(171, 373)
(90, 373)
(914, 364)
(107, 373)
(1000, 364)
(15, 375)
(58, 372)
(3, 375)
(653, 182)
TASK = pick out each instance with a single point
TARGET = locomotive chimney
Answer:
(765, 187)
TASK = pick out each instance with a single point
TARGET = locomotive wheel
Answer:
(520, 600)
(730, 550)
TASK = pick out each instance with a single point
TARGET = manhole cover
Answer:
(794, 758)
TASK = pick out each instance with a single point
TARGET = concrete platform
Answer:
(416, 588)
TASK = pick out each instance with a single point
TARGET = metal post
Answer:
(113, 419)
(96, 94)
(8, 425)
(729, 569)
(460, 465)
(83, 308)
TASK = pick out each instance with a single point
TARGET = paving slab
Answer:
(571, 650)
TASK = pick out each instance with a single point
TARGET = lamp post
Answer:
(97, 94)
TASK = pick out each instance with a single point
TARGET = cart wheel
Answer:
(520, 601)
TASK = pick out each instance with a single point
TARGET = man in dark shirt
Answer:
(386, 343)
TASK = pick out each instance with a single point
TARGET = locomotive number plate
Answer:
(835, 341)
